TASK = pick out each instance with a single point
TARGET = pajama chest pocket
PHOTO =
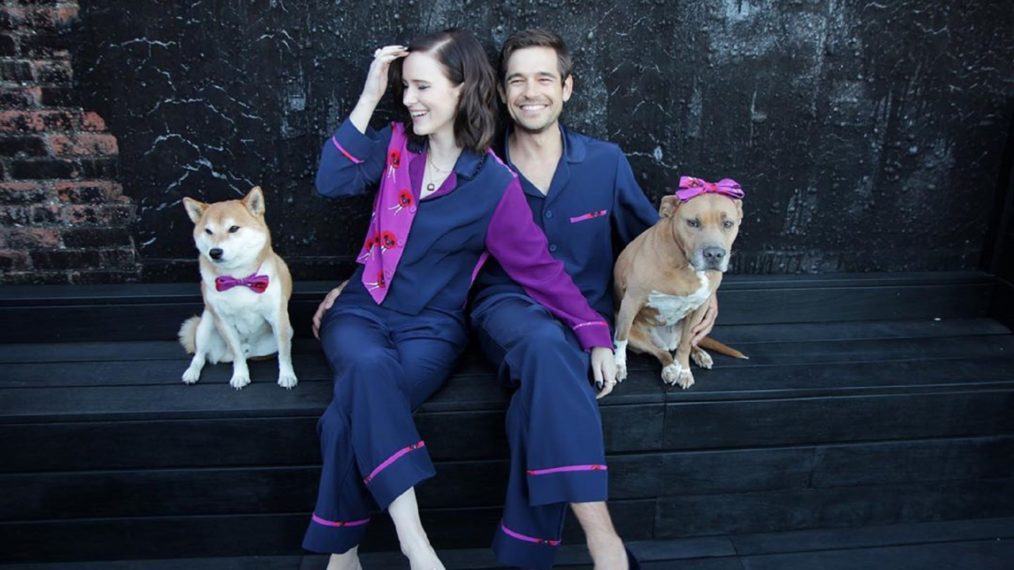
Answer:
(588, 216)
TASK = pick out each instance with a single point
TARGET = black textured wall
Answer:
(867, 134)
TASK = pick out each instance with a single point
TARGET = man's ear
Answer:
(667, 208)
(568, 87)
(501, 92)
(254, 201)
(195, 208)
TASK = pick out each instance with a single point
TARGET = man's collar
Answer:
(574, 149)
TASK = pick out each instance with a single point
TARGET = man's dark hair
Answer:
(536, 38)
(464, 63)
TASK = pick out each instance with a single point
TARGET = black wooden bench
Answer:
(871, 399)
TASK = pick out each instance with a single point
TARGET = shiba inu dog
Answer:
(246, 289)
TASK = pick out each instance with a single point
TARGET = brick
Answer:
(13, 261)
(8, 47)
(85, 192)
(44, 169)
(48, 214)
(52, 72)
(23, 146)
(21, 97)
(119, 258)
(21, 193)
(16, 70)
(60, 120)
(31, 238)
(12, 17)
(100, 168)
(92, 122)
(83, 145)
(46, 45)
(15, 216)
(99, 215)
(35, 277)
(58, 97)
(97, 237)
(21, 122)
(65, 259)
(102, 276)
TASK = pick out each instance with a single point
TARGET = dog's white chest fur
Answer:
(674, 308)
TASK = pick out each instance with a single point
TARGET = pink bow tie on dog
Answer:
(256, 283)
(691, 187)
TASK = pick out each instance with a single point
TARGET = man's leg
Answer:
(555, 433)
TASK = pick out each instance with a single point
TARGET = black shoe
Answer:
(632, 563)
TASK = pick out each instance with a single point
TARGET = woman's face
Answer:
(429, 96)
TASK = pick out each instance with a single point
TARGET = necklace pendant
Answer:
(430, 187)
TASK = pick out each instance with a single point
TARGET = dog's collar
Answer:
(256, 283)
(692, 187)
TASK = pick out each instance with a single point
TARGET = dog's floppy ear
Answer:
(195, 208)
(739, 207)
(254, 201)
(667, 208)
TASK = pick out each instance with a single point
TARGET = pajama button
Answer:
(549, 214)
(552, 247)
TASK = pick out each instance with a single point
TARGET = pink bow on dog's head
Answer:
(692, 187)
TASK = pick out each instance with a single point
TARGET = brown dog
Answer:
(665, 278)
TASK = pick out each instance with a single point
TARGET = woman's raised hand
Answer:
(376, 79)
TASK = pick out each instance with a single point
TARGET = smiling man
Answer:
(582, 193)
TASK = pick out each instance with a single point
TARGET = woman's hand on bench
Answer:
(325, 305)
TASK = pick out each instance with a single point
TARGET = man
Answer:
(582, 193)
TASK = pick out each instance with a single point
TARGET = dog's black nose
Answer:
(714, 254)
(217, 253)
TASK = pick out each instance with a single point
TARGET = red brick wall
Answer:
(63, 215)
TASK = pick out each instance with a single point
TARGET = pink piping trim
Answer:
(387, 463)
(591, 324)
(525, 538)
(567, 469)
(588, 216)
(338, 524)
(342, 150)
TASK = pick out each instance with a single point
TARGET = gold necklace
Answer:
(431, 186)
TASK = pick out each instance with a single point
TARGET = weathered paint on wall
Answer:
(868, 135)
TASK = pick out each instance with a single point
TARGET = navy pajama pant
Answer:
(553, 427)
(385, 365)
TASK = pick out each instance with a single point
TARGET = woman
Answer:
(444, 203)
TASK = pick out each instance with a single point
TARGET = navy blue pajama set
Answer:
(395, 332)
(553, 424)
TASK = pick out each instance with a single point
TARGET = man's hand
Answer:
(603, 365)
(325, 305)
(704, 327)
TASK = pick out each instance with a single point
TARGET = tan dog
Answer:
(665, 278)
(246, 289)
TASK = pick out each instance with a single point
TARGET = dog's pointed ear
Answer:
(667, 208)
(195, 208)
(254, 201)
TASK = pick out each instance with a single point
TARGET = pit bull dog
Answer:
(665, 277)
(246, 288)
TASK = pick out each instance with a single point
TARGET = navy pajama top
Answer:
(479, 208)
(592, 200)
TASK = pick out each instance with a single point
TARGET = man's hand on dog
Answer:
(603, 366)
(325, 305)
(704, 327)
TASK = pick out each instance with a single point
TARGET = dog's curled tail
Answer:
(713, 345)
(188, 334)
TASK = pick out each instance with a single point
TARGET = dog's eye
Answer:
(233, 229)
(207, 231)
(727, 224)
(695, 223)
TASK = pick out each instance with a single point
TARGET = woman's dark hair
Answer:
(464, 63)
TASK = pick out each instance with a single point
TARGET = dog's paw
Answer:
(702, 359)
(191, 375)
(676, 374)
(287, 380)
(239, 380)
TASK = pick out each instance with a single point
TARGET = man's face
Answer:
(533, 90)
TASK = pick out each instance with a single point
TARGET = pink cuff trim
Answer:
(588, 216)
(338, 524)
(591, 324)
(525, 538)
(342, 150)
(387, 462)
(567, 469)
